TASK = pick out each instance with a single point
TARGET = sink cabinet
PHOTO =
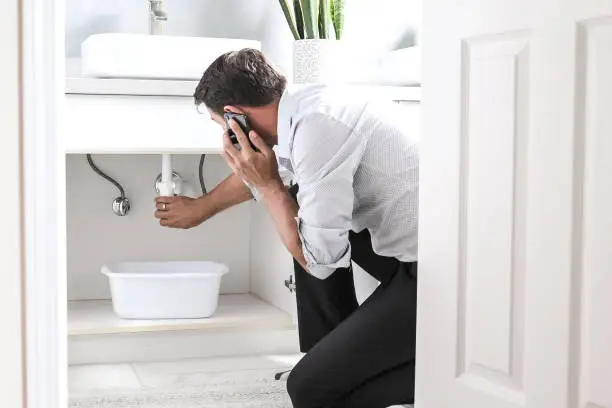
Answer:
(126, 124)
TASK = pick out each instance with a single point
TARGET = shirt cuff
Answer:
(321, 272)
(320, 262)
(254, 192)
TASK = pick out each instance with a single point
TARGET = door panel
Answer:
(492, 217)
(593, 269)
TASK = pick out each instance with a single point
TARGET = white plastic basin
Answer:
(165, 290)
(154, 56)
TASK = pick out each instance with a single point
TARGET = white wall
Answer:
(381, 25)
(96, 236)
(11, 369)
(210, 18)
(374, 25)
(371, 26)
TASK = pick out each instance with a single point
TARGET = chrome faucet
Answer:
(157, 17)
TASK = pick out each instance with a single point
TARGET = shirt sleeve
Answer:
(325, 154)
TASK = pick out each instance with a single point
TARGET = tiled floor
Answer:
(113, 377)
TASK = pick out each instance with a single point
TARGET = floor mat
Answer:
(244, 389)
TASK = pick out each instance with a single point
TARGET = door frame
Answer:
(43, 76)
(12, 343)
(44, 202)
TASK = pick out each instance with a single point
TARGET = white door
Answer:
(515, 274)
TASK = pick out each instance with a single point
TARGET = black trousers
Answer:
(357, 356)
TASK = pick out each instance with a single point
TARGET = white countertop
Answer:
(102, 86)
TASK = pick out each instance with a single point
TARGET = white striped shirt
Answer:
(357, 166)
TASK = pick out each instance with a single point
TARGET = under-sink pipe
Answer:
(166, 187)
(121, 204)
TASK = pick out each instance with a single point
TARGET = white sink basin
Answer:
(154, 57)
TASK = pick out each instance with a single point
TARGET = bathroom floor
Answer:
(213, 382)
(84, 379)
(224, 382)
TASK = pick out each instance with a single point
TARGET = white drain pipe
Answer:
(166, 187)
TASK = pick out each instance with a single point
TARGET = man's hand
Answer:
(258, 168)
(182, 212)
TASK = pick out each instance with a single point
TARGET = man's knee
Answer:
(301, 390)
(295, 388)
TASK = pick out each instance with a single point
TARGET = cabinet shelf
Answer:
(234, 312)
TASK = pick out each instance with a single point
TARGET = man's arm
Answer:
(228, 193)
(185, 212)
(325, 157)
(284, 211)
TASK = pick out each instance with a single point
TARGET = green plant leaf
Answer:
(337, 16)
(324, 18)
(310, 10)
(287, 12)
(332, 6)
(299, 18)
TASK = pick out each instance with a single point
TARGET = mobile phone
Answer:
(242, 121)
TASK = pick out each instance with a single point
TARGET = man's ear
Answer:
(233, 109)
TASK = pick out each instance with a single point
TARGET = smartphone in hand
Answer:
(242, 121)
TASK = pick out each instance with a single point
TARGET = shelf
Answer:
(156, 87)
(143, 87)
(234, 311)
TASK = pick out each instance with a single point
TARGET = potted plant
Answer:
(317, 26)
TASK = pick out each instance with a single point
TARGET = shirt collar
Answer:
(286, 111)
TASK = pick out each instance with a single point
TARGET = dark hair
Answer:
(244, 77)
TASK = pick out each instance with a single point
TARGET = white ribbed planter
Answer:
(318, 61)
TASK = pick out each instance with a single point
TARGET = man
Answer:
(356, 169)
